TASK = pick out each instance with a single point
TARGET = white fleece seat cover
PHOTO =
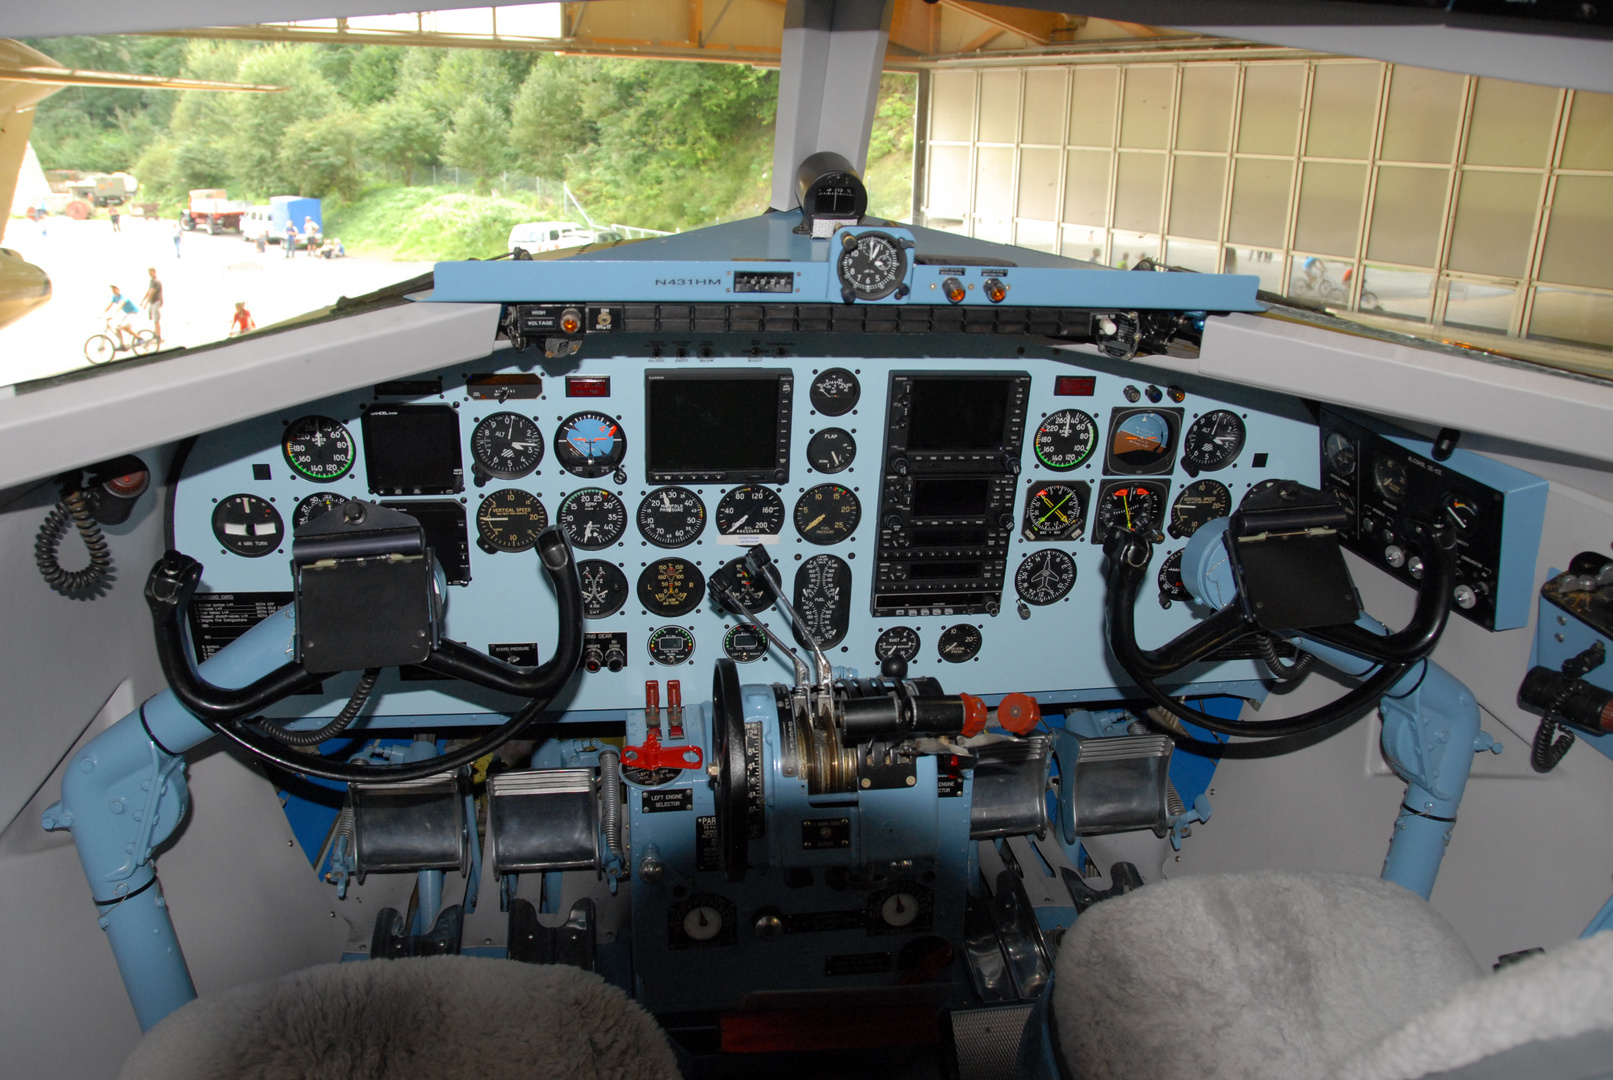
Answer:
(430, 1018)
(1271, 975)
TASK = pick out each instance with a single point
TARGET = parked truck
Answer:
(297, 210)
(211, 209)
(103, 189)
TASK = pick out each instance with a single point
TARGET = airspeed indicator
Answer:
(1066, 440)
(318, 448)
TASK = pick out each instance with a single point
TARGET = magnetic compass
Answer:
(318, 448)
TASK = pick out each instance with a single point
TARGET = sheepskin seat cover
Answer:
(430, 1018)
(1271, 975)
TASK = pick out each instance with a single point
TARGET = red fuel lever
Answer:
(652, 755)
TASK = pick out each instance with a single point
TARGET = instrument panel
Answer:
(664, 469)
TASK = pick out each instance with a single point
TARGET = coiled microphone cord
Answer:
(75, 509)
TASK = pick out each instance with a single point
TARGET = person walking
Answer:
(178, 231)
(152, 302)
(291, 239)
(242, 321)
(113, 214)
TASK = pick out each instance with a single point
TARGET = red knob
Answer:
(1019, 714)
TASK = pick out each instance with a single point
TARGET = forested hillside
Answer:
(372, 128)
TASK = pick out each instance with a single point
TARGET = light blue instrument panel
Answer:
(1054, 650)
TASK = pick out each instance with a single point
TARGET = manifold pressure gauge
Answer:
(318, 448)
(671, 517)
(872, 266)
(510, 520)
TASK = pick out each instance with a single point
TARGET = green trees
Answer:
(403, 134)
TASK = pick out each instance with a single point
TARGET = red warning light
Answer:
(1074, 385)
(588, 386)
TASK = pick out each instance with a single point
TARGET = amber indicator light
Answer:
(953, 289)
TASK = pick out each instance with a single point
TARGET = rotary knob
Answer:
(1395, 556)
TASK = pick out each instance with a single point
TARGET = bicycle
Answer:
(99, 348)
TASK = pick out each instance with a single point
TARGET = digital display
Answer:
(951, 496)
(446, 534)
(749, 281)
(722, 425)
(413, 450)
(964, 414)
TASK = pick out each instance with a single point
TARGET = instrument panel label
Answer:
(216, 619)
(707, 851)
(665, 802)
(867, 963)
(820, 834)
(813, 922)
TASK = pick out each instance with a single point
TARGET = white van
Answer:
(256, 221)
(535, 236)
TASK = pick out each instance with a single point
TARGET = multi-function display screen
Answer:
(413, 450)
(734, 424)
(951, 496)
(963, 414)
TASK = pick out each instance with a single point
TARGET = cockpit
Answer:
(815, 644)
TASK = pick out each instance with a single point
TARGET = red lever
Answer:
(674, 708)
(652, 755)
(652, 703)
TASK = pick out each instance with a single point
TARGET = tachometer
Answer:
(750, 511)
(823, 599)
(827, 514)
(1213, 440)
(593, 517)
(247, 525)
(589, 444)
(318, 448)
(510, 520)
(670, 645)
(671, 587)
(671, 517)
(1056, 512)
(604, 588)
(506, 445)
(1045, 577)
(313, 506)
(1200, 503)
(1066, 440)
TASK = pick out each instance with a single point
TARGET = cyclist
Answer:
(121, 306)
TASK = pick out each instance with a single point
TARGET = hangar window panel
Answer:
(1589, 142)
(1273, 96)
(994, 185)
(1093, 92)
(1192, 255)
(1265, 265)
(1495, 222)
(948, 182)
(1386, 290)
(1344, 110)
(1126, 247)
(999, 106)
(1511, 124)
(1579, 240)
(1139, 191)
(1425, 112)
(1573, 317)
(952, 114)
(1260, 191)
(1044, 107)
(1039, 183)
(1145, 118)
(1330, 201)
(1197, 187)
(1037, 235)
(1204, 117)
(1076, 242)
(1086, 188)
(1408, 215)
(1480, 305)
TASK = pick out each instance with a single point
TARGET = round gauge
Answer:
(1141, 441)
(1130, 506)
(1171, 587)
(589, 444)
(702, 923)
(823, 599)
(671, 587)
(506, 445)
(1463, 513)
(750, 511)
(832, 450)
(313, 506)
(604, 588)
(898, 641)
(744, 644)
(1213, 440)
(871, 266)
(834, 391)
(754, 597)
(247, 525)
(1056, 512)
(899, 909)
(1045, 577)
(1345, 501)
(959, 644)
(1200, 503)
(1389, 474)
(1340, 453)
(318, 448)
(671, 517)
(1257, 489)
(827, 514)
(670, 645)
(1066, 439)
(593, 517)
(510, 520)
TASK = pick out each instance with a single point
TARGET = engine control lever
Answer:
(758, 563)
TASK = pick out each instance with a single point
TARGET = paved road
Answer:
(200, 286)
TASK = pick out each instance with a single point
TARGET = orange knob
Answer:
(1019, 714)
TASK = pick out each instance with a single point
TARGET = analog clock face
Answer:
(871, 266)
